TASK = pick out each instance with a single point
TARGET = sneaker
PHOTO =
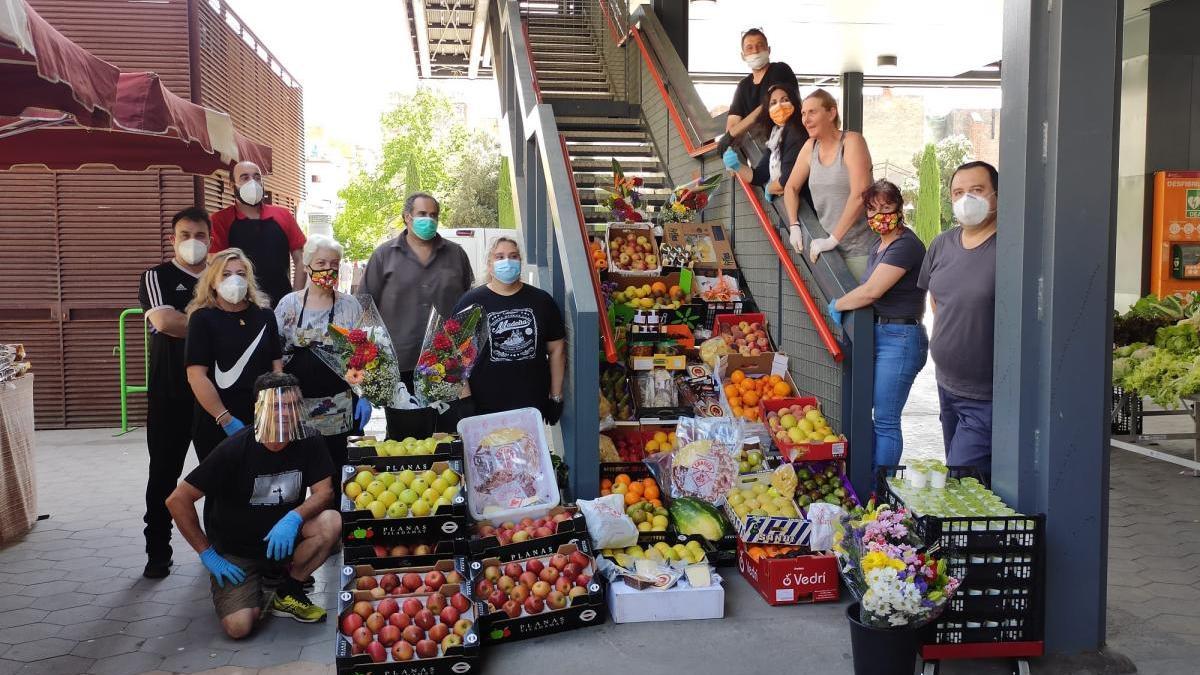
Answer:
(297, 605)
(157, 569)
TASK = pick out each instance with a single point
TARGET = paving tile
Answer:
(66, 664)
(36, 650)
(123, 597)
(197, 660)
(133, 662)
(319, 653)
(19, 617)
(157, 626)
(51, 588)
(258, 655)
(109, 645)
(188, 640)
(62, 601)
(63, 555)
(159, 585)
(1181, 591)
(22, 566)
(9, 667)
(67, 617)
(229, 670)
(1173, 623)
(11, 602)
(138, 611)
(29, 631)
(1169, 576)
(97, 628)
(80, 564)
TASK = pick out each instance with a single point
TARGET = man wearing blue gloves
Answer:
(256, 482)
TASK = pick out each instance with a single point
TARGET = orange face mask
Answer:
(781, 112)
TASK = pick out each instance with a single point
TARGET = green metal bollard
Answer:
(122, 351)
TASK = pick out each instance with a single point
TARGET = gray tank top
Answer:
(830, 187)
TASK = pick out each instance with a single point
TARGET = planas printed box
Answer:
(454, 568)
(367, 455)
(362, 527)
(679, 603)
(568, 531)
(790, 581)
(402, 552)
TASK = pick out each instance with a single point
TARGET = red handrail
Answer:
(831, 344)
(606, 337)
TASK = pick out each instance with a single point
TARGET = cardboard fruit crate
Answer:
(621, 232)
(723, 323)
(790, 580)
(403, 552)
(767, 529)
(565, 531)
(803, 452)
(708, 243)
(362, 527)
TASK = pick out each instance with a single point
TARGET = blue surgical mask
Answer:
(506, 271)
(424, 227)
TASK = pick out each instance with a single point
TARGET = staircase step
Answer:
(608, 150)
(604, 180)
(573, 68)
(600, 135)
(610, 123)
(549, 96)
(582, 164)
(557, 84)
(564, 39)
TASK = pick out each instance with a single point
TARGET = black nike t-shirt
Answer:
(167, 286)
(251, 488)
(236, 347)
(513, 370)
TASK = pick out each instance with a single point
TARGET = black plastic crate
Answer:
(1126, 412)
(708, 311)
(955, 630)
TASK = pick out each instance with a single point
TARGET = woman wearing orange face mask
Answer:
(785, 137)
(890, 287)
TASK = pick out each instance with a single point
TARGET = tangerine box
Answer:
(753, 367)
(790, 580)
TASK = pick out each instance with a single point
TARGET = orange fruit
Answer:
(750, 414)
(658, 288)
(775, 379)
(737, 376)
(651, 493)
(623, 478)
(649, 482)
(636, 488)
(606, 484)
(782, 389)
(750, 398)
(756, 552)
(746, 385)
(731, 390)
(605, 492)
(656, 502)
(631, 498)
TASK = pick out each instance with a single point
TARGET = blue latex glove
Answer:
(770, 197)
(282, 538)
(362, 413)
(731, 160)
(834, 313)
(221, 569)
(232, 426)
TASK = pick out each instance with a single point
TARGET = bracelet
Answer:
(217, 419)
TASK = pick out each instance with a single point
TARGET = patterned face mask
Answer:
(882, 223)
(324, 278)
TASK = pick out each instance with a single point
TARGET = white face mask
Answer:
(971, 210)
(191, 251)
(759, 60)
(251, 192)
(233, 289)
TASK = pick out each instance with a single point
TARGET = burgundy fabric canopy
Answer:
(42, 69)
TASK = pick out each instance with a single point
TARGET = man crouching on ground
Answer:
(256, 480)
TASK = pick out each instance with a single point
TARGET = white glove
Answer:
(819, 246)
(796, 239)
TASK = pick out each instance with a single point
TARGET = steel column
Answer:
(1054, 294)
(852, 101)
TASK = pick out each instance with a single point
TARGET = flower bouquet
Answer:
(363, 353)
(688, 199)
(448, 353)
(896, 583)
(624, 201)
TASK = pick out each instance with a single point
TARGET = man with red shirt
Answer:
(268, 234)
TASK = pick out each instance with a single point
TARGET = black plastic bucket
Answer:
(882, 651)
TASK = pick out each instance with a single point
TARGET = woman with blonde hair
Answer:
(524, 356)
(304, 318)
(836, 166)
(232, 339)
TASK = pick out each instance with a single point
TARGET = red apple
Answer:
(528, 578)
(534, 605)
(434, 580)
(512, 608)
(402, 651)
(388, 635)
(486, 531)
(543, 531)
(376, 621)
(513, 570)
(389, 581)
(449, 615)
(541, 589)
(506, 583)
(399, 590)
(411, 581)
(505, 538)
(387, 607)
(492, 573)
(411, 606)
(412, 634)
(400, 550)
(453, 577)
(519, 536)
(377, 652)
(363, 636)
(549, 575)
(556, 600)
(427, 649)
(422, 589)
(460, 602)
(438, 632)
(583, 580)
(519, 593)
(536, 566)
(449, 641)
(577, 591)
(563, 584)
(498, 598)
(461, 627)
(366, 583)
(435, 602)
(526, 522)
(422, 549)
(484, 588)
(572, 570)
(558, 561)
(399, 620)
(561, 517)
(363, 609)
(350, 623)
(380, 551)
(424, 619)
(377, 593)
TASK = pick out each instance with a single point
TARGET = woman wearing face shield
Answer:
(304, 318)
(746, 110)
(232, 338)
(524, 356)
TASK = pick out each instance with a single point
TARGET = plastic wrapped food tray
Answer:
(513, 479)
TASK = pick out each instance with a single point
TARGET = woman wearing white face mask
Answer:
(232, 339)
(960, 274)
(746, 108)
(524, 357)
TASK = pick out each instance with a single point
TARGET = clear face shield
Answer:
(279, 416)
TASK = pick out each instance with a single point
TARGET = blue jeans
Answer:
(900, 353)
(967, 431)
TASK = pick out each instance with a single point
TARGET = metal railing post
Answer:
(122, 361)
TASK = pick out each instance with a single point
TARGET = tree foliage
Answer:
(950, 153)
(505, 213)
(927, 221)
(426, 148)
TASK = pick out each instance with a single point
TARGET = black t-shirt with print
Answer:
(251, 488)
(167, 286)
(748, 95)
(236, 347)
(513, 370)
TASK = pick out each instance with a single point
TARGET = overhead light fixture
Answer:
(886, 61)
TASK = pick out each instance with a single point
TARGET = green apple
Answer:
(363, 500)
(386, 478)
(439, 485)
(420, 508)
(376, 487)
(364, 478)
(428, 476)
(398, 509)
(419, 484)
(450, 492)
(409, 496)
(397, 488)
(388, 497)
(430, 495)
(450, 477)
(406, 476)
(377, 509)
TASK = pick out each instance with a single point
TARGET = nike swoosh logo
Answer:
(226, 379)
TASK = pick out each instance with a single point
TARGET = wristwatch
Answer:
(556, 399)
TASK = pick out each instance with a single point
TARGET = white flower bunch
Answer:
(890, 600)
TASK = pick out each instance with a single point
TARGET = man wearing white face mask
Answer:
(960, 274)
(268, 234)
(746, 107)
(164, 293)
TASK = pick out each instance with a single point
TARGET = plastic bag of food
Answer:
(824, 518)
(608, 450)
(607, 523)
(713, 349)
(510, 474)
(705, 465)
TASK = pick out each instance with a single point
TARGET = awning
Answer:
(42, 69)
(151, 127)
